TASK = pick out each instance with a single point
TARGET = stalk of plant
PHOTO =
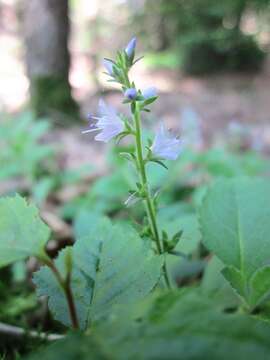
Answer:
(65, 284)
(149, 203)
(164, 147)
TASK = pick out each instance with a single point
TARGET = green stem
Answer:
(149, 205)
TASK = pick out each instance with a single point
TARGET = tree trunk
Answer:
(47, 57)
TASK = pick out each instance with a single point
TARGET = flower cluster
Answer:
(110, 124)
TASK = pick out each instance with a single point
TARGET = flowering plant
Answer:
(117, 281)
(164, 147)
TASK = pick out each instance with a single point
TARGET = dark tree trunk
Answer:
(164, 41)
(47, 56)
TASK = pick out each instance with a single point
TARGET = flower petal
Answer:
(149, 92)
(108, 66)
(166, 146)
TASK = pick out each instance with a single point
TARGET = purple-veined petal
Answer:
(165, 145)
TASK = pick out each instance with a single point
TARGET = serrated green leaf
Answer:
(235, 225)
(73, 347)
(111, 265)
(236, 280)
(184, 324)
(260, 285)
(175, 325)
(22, 232)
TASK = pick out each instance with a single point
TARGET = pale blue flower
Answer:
(108, 123)
(108, 66)
(130, 93)
(149, 93)
(165, 145)
(130, 49)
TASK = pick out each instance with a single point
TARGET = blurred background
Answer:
(209, 61)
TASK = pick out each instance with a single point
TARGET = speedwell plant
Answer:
(97, 285)
(165, 146)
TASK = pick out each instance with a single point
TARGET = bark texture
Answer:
(47, 57)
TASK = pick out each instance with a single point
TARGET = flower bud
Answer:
(130, 93)
(149, 93)
(130, 49)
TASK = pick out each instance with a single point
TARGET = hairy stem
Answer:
(149, 204)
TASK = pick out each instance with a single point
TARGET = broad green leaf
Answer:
(73, 347)
(22, 232)
(175, 325)
(111, 265)
(82, 221)
(184, 324)
(235, 225)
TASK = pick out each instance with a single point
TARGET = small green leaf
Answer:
(159, 162)
(185, 225)
(22, 232)
(236, 280)
(260, 285)
(149, 101)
